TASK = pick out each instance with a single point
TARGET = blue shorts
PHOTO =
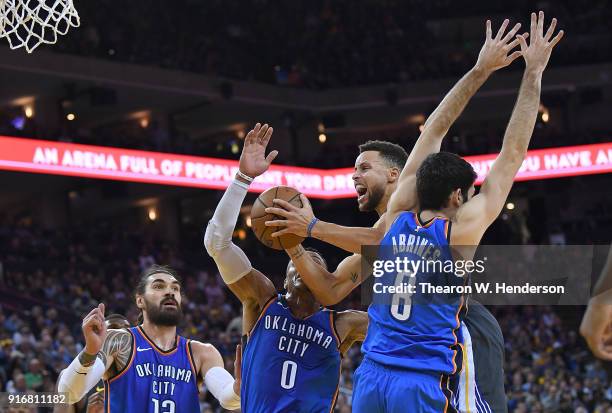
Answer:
(380, 389)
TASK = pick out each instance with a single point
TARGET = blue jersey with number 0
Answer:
(154, 381)
(290, 365)
(418, 330)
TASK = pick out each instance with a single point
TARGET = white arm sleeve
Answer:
(77, 380)
(221, 385)
(231, 261)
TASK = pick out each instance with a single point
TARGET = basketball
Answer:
(259, 217)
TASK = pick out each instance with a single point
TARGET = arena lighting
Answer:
(235, 148)
(240, 134)
(321, 127)
(322, 138)
(241, 233)
(544, 113)
(152, 214)
(69, 159)
(144, 123)
(19, 122)
(248, 221)
(510, 206)
(29, 111)
(71, 116)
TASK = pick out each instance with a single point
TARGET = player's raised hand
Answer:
(94, 330)
(253, 160)
(537, 53)
(497, 51)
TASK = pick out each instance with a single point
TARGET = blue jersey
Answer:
(417, 330)
(290, 365)
(154, 381)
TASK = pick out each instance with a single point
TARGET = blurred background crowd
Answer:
(49, 280)
(326, 44)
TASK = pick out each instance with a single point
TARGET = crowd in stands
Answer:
(50, 279)
(322, 43)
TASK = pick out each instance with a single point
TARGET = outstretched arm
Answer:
(474, 217)
(299, 220)
(495, 54)
(251, 287)
(327, 287)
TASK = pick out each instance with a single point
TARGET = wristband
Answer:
(245, 177)
(311, 226)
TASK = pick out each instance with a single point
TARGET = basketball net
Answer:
(30, 23)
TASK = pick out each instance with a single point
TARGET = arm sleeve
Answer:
(221, 385)
(77, 380)
(231, 261)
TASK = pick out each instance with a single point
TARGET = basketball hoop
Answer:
(29, 23)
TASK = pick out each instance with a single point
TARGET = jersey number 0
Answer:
(288, 374)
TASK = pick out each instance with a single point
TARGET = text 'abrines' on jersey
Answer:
(415, 326)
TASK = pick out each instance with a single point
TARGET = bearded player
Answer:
(414, 347)
(149, 368)
(293, 346)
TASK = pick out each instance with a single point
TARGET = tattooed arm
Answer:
(105, 354)
(327, 287)
(116, 352)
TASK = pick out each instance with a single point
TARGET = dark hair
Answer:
(310, 249)
(439, 175)
(115, 316)
(392, 153)
(142, 282)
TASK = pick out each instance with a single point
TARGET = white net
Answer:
(30, 23)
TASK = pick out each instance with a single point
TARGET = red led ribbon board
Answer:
(58, 158)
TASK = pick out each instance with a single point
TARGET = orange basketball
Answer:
(259, 217)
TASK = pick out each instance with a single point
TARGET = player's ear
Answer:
(458, 197)
(393, 174)
(455, 199)
(139, 301)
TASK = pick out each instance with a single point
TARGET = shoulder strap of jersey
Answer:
(408, 215)
(274, 298)
(192, 363)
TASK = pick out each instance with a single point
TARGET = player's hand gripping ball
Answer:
(259, 217)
